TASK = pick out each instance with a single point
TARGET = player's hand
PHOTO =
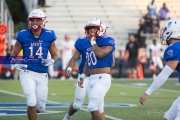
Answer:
(80, 82)
(47, 62)
(68, 72)
(20, 66)
(143, 98)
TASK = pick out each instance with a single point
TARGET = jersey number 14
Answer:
(38, 52)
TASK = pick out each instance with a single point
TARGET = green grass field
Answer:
(117, 100)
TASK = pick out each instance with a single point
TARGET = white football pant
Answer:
(157, 61)
(99, 85)
(80, 94)
(65, 61)
(35, 88)
(174, 111)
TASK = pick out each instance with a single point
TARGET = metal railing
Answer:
(30, 5)
(5, 18)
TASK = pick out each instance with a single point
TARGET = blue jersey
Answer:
(36, 47)
(173, 53)
(106, 61)
(81, 45)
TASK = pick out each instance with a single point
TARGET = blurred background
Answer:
(141, 18)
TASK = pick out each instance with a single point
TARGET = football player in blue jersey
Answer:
(99, 60)
(35, 42)
(170, 35)
(81, 46)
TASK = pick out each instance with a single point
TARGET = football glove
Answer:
(20, 66)
(47, 62)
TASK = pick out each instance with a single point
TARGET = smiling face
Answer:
(35, 23)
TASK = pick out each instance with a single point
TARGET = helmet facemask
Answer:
(95, 22)
(35, 24)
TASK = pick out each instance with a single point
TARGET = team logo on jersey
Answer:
(89, 49)
(112, 42)
(169, 24)
(170, 52)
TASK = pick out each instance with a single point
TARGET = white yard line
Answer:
(161, 89)
(20, 95)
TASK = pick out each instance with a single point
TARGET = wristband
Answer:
(69, 69)
(52, 60)
(83, 75)
(93, 42)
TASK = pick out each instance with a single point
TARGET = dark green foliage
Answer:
(18, 13)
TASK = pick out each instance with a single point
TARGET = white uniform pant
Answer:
(80, 93)
(99, 85)
(157, 61)
(65, 61)
(172, 113)
(35, 88)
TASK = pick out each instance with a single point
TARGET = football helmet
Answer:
(36, 13)
(97, 23)
(171, 29)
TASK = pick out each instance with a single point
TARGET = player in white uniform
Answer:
(67, 48)
(170, 35)
(155, 58)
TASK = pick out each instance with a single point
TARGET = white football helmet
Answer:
(98, 23)
(171, 29)
(36, 13)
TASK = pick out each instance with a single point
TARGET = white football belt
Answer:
(21, 66)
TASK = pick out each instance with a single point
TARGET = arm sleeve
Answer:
(159, 80)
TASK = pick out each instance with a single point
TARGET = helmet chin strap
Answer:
(35, 28)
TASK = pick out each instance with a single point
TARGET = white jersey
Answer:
(67, 48)
(155, 49)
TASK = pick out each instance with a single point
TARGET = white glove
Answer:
(92, 41)
(47, 62)
(81, 76)
(20, 66)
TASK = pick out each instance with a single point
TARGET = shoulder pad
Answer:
(50, 35)
(20, 35)
(105, 41)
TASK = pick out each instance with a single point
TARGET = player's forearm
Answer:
(14, 53)
(160, 80)
(98, 51)
(71, 63)
(85, 69)
(55, 57)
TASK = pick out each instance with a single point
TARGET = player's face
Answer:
(91, 31)
(35, 20)
(35, 23)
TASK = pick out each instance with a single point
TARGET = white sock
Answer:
(67, 117)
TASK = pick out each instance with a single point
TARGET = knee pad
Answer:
(31, 102)
(92, 107)
(76, 106)
(40, 108)
(77, 103)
